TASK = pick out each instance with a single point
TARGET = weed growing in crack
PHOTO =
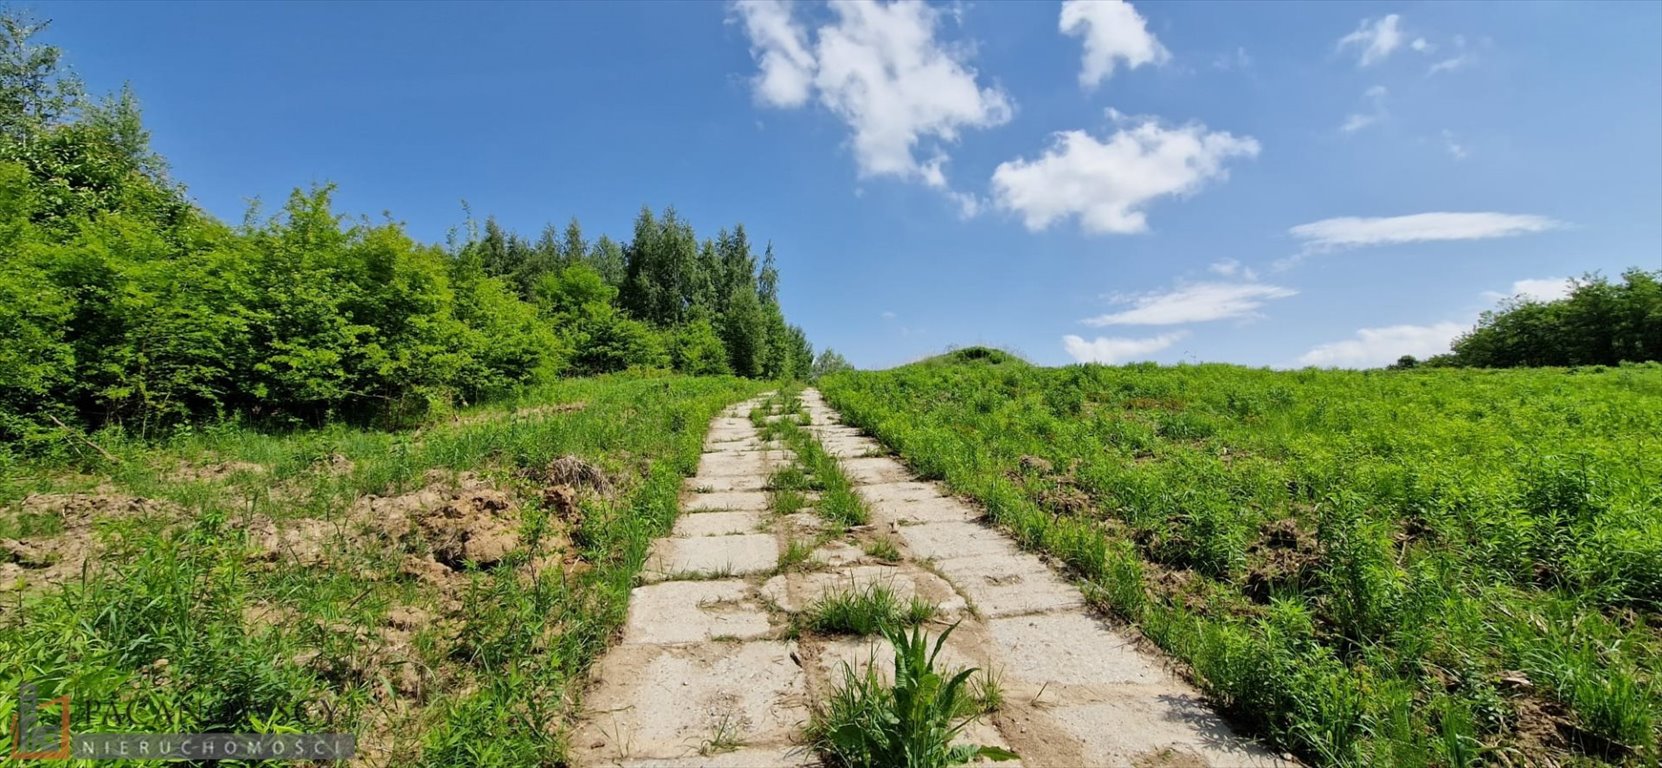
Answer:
(798, 555)
(883, 548)
(865, 611)
(911, 724)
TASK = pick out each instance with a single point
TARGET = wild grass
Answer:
(881, 547)
(910, 724)
(1413, 568)
(867, 610)
(182, 623)
(814, 468)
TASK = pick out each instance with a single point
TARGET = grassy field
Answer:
(1436, 567)
(439, 591)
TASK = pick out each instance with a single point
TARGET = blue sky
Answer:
(1267, 184)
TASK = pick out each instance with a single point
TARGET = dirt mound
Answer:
(59, 557)
(469, 521)
(1284, 556)
(217, 472)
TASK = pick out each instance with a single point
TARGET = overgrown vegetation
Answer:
(124, 305)
(438, 592)
(1428, 567)
(784, 419)
(911, 724)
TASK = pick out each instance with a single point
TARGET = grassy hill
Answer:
(1434, 567)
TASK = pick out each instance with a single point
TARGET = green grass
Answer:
(1413, 568)
(182, 624)
(814, 469)
(865, 611)
(910, 724)
(883, 548)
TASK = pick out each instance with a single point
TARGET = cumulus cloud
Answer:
(1535, 289)
(1373, 347)
(1107, 184)
(1113, 32)
(1104, 349)
(780, 47)
(1374, 40)
(1353, 231)
(881, 69)
(1195, 303)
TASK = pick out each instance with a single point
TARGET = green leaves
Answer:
(910, 724)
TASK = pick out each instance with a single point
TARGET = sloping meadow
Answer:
(1435, 567)
(438, 592)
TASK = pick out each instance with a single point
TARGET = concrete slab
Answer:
(730, 464)
(693, 612)
(936, 509)
(1069, 649)
(804, 523)
(748, 756)
(838, 553)
(664, 703)
(1165, 729)
(706, 555)
(941, 541)
(902, 492)
(876, 469)
(1002, 586)
(719, 524)
(727, 501)
(754, 481)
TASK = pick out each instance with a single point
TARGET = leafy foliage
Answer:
(1599, 323)
(121, 304)
(911, 724)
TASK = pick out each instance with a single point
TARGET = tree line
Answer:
(1600, 322)
(122, 303)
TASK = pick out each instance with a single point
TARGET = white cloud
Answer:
(1112, 30)
(881, 69)
(1359, 120)
(1353, 231)
(1108, 183)
(1376, 38)
(1231, 268)
(1454, 148)
(1449, 64)
(1420, 45)
(1535, 289)
(780, 48)
(888, 315)
(1194, 303)
(1373, 347)
(1104, 349)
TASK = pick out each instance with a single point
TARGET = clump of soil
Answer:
(470, 521)
(1285, 556)
(58, 558)
(217, 472)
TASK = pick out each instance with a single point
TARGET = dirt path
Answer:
(705, 676)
